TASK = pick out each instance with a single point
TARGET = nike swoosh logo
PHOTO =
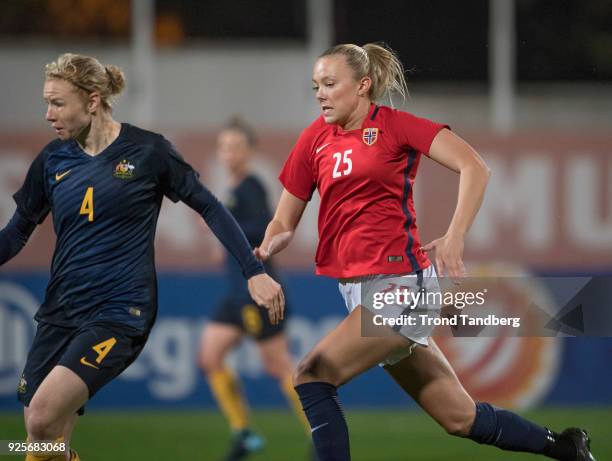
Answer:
(59, 177)
(319, 149)
(85, 362)
(318, 427)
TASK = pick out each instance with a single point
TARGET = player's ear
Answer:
(364, 86)
(94, 102)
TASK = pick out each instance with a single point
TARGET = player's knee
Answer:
(303, 373)
(278, 364)
(459, 423)
(210, 362)
(40, 425)
(275, 368)
(311, 368)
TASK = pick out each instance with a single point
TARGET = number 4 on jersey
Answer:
(346, 160)
(104, 348)
(87, 207)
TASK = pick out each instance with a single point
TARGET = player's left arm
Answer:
(180, 182)
(454, 153)
(224, 226)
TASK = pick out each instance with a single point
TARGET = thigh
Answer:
(58, 398)
(275, 355)
(98, 353)
(344, 353)
(256, 322)
(404, 315)
(240, 311)
(216, 342)
(408, 302)
(427, 376)
(49, 344)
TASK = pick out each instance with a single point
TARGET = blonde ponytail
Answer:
(379, 63)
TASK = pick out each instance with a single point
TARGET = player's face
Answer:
(233, 149)
(337, 90)
(66, 108)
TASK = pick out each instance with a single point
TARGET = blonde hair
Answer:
(89, 75)
(379, 63)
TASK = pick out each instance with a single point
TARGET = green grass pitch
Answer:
(376, 435)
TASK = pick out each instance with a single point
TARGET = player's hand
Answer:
(266, 292)
(261, 254)
(449, 256)
(271, 246)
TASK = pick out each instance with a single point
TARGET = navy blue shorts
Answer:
(242, 312)
(97, 353)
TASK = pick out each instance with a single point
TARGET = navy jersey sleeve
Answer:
(181, 182)
(32, 201)
(14, 236)
(178, 179)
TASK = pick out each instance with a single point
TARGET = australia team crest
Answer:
(370, 136)
(124, 170)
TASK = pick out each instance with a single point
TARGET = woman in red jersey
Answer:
(363, 158)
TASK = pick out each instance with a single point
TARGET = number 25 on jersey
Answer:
(346, 161)
(87, 206)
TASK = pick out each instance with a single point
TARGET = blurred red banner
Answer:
(548, 204)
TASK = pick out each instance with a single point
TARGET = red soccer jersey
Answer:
(367, 223)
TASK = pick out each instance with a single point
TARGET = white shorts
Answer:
(361, 291)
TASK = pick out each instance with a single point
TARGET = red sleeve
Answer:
(298, 174)
(415, 132)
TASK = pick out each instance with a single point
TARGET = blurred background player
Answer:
(238, 315)
(104, 182)
(363, 159)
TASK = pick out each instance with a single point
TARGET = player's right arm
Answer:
(14, 237)
(279, 232)
(298, 176)
(32, 209)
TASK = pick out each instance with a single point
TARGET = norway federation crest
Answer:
(370, 135)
